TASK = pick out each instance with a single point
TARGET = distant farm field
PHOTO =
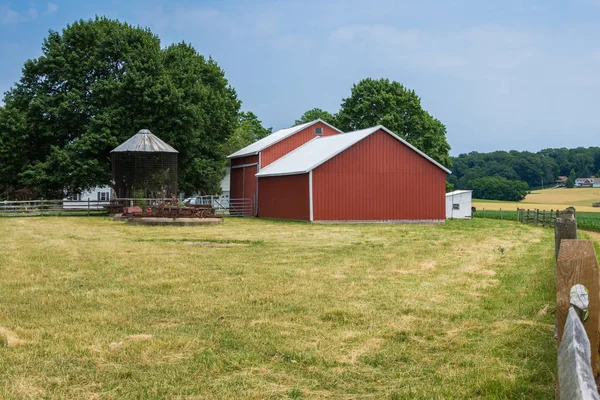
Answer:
(95, 309)
(580, 198)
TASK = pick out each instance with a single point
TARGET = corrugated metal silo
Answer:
(144, 163)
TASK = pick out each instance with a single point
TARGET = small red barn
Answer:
(367, 175)
(245, 163)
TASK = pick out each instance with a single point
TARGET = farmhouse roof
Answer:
(320, 149)
(144, 141)
(275, 137)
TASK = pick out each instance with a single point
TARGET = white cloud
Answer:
(10, 16)
(181, 18)
(32, 14)
(51, 8)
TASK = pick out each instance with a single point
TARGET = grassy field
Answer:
(561, 198)
(96, 309)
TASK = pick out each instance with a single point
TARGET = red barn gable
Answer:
(246, 162)
(367, 175)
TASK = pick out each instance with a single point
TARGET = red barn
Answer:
(367, 175)
(247, 162)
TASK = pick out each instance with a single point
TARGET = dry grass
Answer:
(556, 199)
(109, 311)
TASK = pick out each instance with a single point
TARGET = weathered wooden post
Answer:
(565, 227)
(544, 218)
(577, 264)
(42, 207)
(575, 375)
(88, 206)
(500, 214)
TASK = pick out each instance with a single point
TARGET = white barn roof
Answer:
(457, 192)
(320, 149)
(275, 137)
(144, 141)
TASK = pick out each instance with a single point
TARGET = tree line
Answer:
(515, 172)
(99, 81)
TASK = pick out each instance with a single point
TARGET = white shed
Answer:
(458, 204)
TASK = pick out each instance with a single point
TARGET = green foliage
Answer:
(248, 131)
(449, 187)
(589, 221)
(96, 84)
(316, 113)
(536, 169)
(374, 102)
(498, 188)
(139, 201)
(571, 179)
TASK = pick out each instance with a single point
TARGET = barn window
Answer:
(456, 206)
(319, 131)
(103, 196)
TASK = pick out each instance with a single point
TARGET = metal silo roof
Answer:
(144, 141)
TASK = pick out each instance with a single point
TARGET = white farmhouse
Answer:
(458, 204)
(100, 194)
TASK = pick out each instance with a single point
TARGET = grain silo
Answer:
(145, 165)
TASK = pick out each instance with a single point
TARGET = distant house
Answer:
(587, 182)
(458, 204)
(561, 180)
(80, 200)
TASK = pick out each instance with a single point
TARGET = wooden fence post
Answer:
(42, 207)
(88, 206)
(564, 228)
(544, 218)
(500, 214)
(577, 264)
(575, 375)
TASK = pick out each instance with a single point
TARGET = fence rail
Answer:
(577, 310)
(35, 208)
(241, 207)
(524, 216)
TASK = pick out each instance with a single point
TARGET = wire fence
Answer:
(525, 216)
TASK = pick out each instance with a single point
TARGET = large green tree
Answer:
(316, 113)
(96, 84)
(248, 131)
(389, 103)
(498, 188)
(571, 179)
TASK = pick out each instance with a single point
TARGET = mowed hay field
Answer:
(547, 199)
(96, 309)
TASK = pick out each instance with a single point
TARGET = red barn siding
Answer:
(236, 188)
(284, 197)
(290, 143)
(379, 178)
(243, 181)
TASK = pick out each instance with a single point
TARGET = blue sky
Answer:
(511, 74)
